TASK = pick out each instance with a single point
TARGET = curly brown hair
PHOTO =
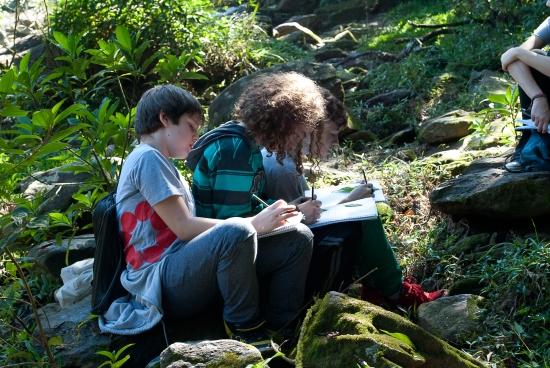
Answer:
(274, 107)
(335, 114)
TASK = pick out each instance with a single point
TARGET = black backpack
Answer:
(108, 257)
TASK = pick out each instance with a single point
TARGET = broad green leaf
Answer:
(71, 110)
(50, 148)
(26, 137)
(124, 39)
(107, 354)
(401, 337)
(193, 75)
(58, 218)
(497, 98)
(82, 199)
(6, 81)
(66, 132)
(42, 119)
(24, 63)
(57, 106)
(62, 41)
(12, 110)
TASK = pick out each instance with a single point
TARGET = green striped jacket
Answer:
(227, 169)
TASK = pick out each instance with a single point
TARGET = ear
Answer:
(163, 118)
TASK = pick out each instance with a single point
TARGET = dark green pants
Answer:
(374, 251)
(347, 249)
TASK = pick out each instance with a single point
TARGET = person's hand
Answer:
(301, 199)
(362, 191)
(273, 216)
(540, 114)
(311, 210)
(510, 56)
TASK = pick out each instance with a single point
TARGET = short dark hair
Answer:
(172, 100)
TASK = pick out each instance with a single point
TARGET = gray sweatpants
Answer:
(228, 260)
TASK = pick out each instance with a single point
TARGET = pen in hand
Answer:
(259, 200)
(364, 175)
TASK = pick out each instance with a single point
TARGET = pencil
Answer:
(259, 200)
(364, 175)
(312, 192)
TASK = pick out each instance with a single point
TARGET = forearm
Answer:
(524, 78)
(535, 61)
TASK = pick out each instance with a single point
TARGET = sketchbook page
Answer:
(290, 225)
(332, 195)
(362, 209)
(527, 124)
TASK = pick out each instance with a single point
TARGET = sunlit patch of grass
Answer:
(389, 38)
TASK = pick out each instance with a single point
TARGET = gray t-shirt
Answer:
(282, 181)
(147, 178)
(543, 31)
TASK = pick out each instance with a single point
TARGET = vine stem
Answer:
(16, 23)
(127, 132)
(43, 339)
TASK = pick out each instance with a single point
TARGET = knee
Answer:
(237, 228)
(304, 239)
(238, 234)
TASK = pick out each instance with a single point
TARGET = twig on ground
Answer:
(444, 25)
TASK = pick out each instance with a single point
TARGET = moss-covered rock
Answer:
(210, 354)
(340, 331)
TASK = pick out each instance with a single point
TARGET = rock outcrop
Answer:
(491, 192)
(340, 331)
(452, 318)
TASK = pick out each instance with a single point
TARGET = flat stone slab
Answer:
(494, 193)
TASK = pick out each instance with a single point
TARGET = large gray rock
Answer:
(56, 186)
(453, 318)
(296, 6)
(221, 108)
(338, 12)
(52, 256)
(340, 331)
(486, 191)
(216, 353)
(77, 336)
(445, 128)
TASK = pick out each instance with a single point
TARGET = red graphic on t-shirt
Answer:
(164, 237)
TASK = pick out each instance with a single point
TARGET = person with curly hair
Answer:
(361, 246)
(276, 111)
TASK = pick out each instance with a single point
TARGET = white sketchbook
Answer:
(290, 225)
(334, 212)
(332, 195)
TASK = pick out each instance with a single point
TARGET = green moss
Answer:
(340, 331)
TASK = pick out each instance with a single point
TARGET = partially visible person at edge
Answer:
(365, 244)
(530, 68)
(177, 263)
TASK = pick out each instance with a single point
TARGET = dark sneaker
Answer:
(255, 335)
(414, 295)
